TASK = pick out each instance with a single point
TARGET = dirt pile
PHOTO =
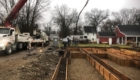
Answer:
(40, 68)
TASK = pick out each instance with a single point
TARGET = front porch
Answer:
(129, 40)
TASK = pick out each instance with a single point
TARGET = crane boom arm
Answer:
(14, 12)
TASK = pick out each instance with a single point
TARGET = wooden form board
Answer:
(66, 78)
(108, 75)
(73, 49)
(102, 70)
(137, 63)
(90, 60)
(120, 60)
(124, 53)
(55, 74)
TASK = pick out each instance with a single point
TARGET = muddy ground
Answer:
(39, 65)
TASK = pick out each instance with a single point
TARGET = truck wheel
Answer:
(25, 46)
(17, 48)
(8, 49)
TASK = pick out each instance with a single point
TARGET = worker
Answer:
(65, 42)
(68, 42)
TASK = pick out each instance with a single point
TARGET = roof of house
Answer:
(105, 34)
(90, 29)
(130, 29)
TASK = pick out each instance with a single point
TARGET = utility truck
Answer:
(40, 38)
(9, 39)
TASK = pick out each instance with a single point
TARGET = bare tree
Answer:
(118, 17)
(64, 17)
(96, 16)
(32, 13)
(47, 30)
(6, 7)
(127, 16)
(48, 27)
(137, 17)
(29, 15)
(109, 25)
(79, 16)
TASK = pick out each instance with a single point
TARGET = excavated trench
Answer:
(75, 61)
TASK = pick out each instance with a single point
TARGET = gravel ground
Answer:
(81, 69)
(131, 72)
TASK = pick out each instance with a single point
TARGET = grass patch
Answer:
(100, 45)
(105, 45)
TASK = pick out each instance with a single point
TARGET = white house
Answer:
(90, 32)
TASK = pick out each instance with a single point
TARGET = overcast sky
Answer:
(111, 5)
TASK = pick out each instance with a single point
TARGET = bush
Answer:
(128, 43)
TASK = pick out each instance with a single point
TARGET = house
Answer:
(90, 32)
(125, 33)
(106, 37)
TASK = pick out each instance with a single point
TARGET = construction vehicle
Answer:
(40, 38)
(9, 40)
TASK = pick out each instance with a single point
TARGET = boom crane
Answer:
(13, 13)
(9, 40)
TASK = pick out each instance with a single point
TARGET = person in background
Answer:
(68, 41)
(65, 42)
(73, 40)
(76, 41)
(29, 48)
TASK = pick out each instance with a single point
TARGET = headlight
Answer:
(2, 44)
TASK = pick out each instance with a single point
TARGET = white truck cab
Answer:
(10, 41)
(7, 38)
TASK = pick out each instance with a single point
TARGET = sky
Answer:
(111, 5)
